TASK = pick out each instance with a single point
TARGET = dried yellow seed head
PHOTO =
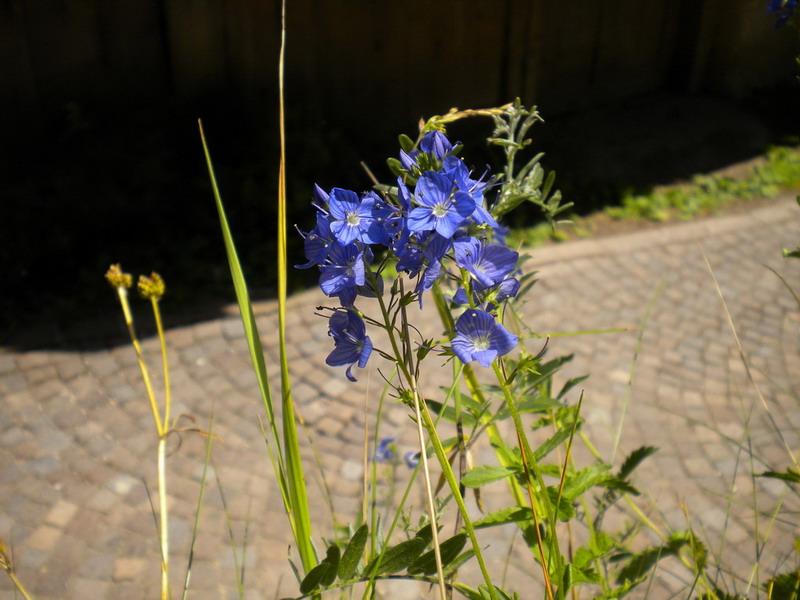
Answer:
(151, 287)
(117, 278)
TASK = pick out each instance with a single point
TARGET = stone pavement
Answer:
(77, 443)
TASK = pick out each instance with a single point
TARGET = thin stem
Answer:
(164, 364)
(529, 465)
(412, 381)
(441, 455)
(163, 516)
(18, 584)
(123, 298)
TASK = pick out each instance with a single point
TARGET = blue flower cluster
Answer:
(435, 217)
(783, 8)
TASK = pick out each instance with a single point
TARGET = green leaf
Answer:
(314, 577)
(565, 509)
(785, 586)
(395, 166)
(425, 533)
(406, 143)
(448, 413)
(510, 514)
(571, 383)
(332, 557)
(449, 550)
(352, 554)
(484, 474)
(457, 562)
(634, 459)
(640, 563)
(790, 475)
(582, 480)
(552, 443)
(398, 557)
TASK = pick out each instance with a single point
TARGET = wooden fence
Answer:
(392, 59)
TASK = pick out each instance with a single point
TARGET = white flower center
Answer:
(439, 210)
(352, 218)
(481, 343)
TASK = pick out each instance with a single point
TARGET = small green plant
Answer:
(708, 193)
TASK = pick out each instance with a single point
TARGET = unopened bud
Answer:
(151, 287)
(117, 278)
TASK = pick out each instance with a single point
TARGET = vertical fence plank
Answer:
(19, 101)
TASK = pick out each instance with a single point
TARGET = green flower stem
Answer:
(529, 464)
(409, 486)
(123, 299)
(441, 455)
(495, 438)
(450, 477)
(163, 516)
(164, 363)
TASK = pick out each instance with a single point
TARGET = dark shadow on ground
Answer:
(135, 191)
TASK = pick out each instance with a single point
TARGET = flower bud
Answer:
(151, 287)
(117, 278)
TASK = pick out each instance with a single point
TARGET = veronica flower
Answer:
(480, 338)
(317, 242)
(353, 218)
(489, 264)
(411, 458)
(385, 450)
(343, 273)
(442, 208)
(455, 167)
(351, 342)
(436, 144)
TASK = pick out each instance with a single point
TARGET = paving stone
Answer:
(62, 412)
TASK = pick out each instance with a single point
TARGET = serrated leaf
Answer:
(582, 480)
(312, 580)
(600, 543)
(565, 511)
(398, 557)
(510, 514)
(634, 459)
(449, 550)
(551, 443)
(640, 563)
(619, 485)
(486, 474)
(352, 554)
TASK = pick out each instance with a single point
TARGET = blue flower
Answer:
(455, 167)
(351, 344)
(385, 450)
(436, 144)
(343, 273)
(489, 264)
(353, 219)
(442, 208)
(481, 338)
(317, 242)
(411, 458)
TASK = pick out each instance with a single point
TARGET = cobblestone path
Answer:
(77, 445)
